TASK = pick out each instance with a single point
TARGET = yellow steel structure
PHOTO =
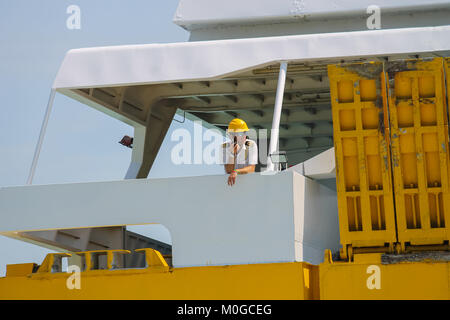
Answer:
(14, 270)
(91, 258)
(296, 280)
(414, 175)
(402, 161)
(363, 172)
(419, 144)
(369, 277)
(366, 277)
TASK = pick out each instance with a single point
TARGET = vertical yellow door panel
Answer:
(363, 173)
(419, 146)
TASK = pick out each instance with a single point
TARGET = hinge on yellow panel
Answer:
(328, 258)
(346, 253)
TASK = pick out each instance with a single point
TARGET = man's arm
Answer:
(247, 169)
(234, 173)
(229, 168)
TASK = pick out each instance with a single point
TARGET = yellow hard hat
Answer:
(237, 125)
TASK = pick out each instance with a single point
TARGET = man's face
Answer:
(241, 140)
(240, 137)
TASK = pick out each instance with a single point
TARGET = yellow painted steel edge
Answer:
(295, 280)
(367, 278)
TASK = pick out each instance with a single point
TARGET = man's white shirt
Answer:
(247, 154)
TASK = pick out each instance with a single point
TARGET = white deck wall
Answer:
(261, 219)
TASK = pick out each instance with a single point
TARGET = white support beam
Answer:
(148, 139)
(273, 147)
(137, 155)
(41, 136)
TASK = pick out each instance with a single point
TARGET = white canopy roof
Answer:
(175, 62)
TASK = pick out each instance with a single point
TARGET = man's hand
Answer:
(234, 148)
(232, 178)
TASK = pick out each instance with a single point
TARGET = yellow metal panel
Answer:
(419, 146)
(21, 269)
(363, 173)
(296, 280)
(368, 278)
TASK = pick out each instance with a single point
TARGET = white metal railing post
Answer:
(274, 134)
(37, 151)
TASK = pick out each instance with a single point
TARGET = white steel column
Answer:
(274, 134)
(137, 155)
(41, 136)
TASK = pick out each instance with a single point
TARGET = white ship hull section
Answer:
(262, 219)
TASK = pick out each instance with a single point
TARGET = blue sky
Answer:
(81, 143)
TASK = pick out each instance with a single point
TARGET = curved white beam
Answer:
(172, 62)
